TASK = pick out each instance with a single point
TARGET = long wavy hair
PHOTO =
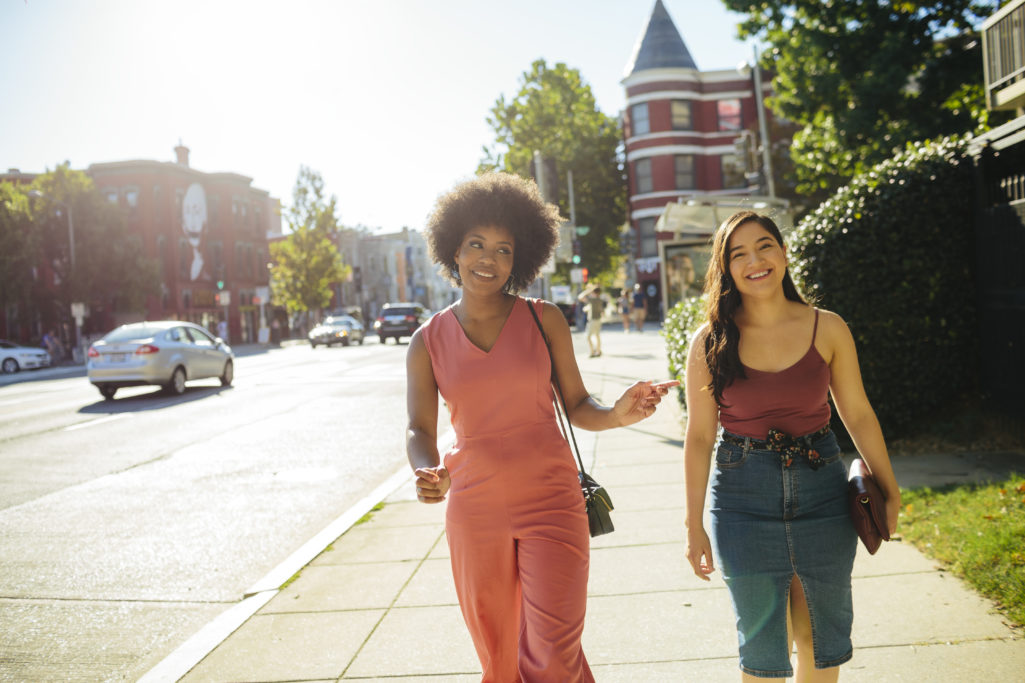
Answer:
(722, 343)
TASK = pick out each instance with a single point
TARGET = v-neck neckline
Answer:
(505, 323)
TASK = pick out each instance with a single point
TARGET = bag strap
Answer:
(558, 389)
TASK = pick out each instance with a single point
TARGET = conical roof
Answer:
(660, 45)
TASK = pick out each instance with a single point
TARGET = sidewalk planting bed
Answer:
(975, 531)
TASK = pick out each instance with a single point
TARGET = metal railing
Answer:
(1003, 48)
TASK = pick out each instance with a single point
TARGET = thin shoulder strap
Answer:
(815, 330)
(558, 390)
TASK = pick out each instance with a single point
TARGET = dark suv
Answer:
(400, 320)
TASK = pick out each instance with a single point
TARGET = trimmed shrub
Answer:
(893, 254)
(682, 321)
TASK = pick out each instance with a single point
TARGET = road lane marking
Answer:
(91, 423)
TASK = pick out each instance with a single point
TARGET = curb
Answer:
(190, 653)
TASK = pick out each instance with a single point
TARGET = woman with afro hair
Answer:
(515, 522)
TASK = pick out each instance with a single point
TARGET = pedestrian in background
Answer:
(623, 306)
(639, 310)
(762, 367)
(222, 329)
(594, 305)
(515, 523)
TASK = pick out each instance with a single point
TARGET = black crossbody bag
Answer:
(596, 498)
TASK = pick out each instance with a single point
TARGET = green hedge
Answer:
(893, 254)
(682, 321)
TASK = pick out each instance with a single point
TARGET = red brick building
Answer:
(202, 228)
(679, 129)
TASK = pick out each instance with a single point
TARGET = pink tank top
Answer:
(793, 400)
(497, 391)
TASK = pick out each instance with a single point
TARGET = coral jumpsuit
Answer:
(515, 522)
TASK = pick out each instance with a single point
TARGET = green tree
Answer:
(306, 263)
(555, 113)
(107, 269)
(18, 249)
(863, 78)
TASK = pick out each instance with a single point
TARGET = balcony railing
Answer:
(1003, 49)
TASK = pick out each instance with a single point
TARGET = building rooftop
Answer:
(660, 45)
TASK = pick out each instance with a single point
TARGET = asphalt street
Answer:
(126, 525)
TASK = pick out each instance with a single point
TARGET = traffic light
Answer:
(576, 252)
(220, 284)
(583, 274)
(217, 298)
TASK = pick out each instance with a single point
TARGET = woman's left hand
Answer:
(892, 512)
(640, 400)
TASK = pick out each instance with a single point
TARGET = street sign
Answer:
(576, 275)
(224, 298)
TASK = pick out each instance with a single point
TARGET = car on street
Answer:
(337, 329)
(14, 357)
(166, 353)
(400, 319)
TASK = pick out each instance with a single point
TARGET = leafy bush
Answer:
(892, 253)
(679, 327)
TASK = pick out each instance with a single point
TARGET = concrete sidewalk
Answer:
(378, 603)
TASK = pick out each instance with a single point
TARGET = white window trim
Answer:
(666, 150)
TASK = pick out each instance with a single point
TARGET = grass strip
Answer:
(977, 531)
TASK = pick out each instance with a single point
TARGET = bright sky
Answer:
(387, 99)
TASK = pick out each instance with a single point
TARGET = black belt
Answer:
(787, 446)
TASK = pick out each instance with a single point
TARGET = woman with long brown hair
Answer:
(762, 369)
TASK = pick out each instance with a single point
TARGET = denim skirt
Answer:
(771, 521)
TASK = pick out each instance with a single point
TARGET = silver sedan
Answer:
(14, 357)
(166, 353)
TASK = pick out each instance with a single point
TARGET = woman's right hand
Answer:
(432, 483)
(699, 553)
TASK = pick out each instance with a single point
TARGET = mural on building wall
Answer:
(194, 226)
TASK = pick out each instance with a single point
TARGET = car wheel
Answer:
(228, 374)
(384, 340)
(177, 384)
(10, 366)
(107, 391)
(345, 342)
(313, 345)
(360, 342)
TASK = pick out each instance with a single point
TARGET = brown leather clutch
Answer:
(867, 506)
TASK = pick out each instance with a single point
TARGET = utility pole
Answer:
(770, 183)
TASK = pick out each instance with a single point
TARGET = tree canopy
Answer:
(107, 269)
(555, 113)
(862, 77)
(306, 263)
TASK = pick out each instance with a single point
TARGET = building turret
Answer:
(680, 125)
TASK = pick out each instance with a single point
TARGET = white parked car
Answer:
(166, 353)
(14, 357)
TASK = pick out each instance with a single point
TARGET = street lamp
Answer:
(744, 69)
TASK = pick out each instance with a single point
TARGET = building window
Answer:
(110, 194)
(642, 171)
(132, 197)
(213, 207)
(728, 112)
(732, 171)
(649, 243)
(682, 116)
(639, 119)
(683, 165)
